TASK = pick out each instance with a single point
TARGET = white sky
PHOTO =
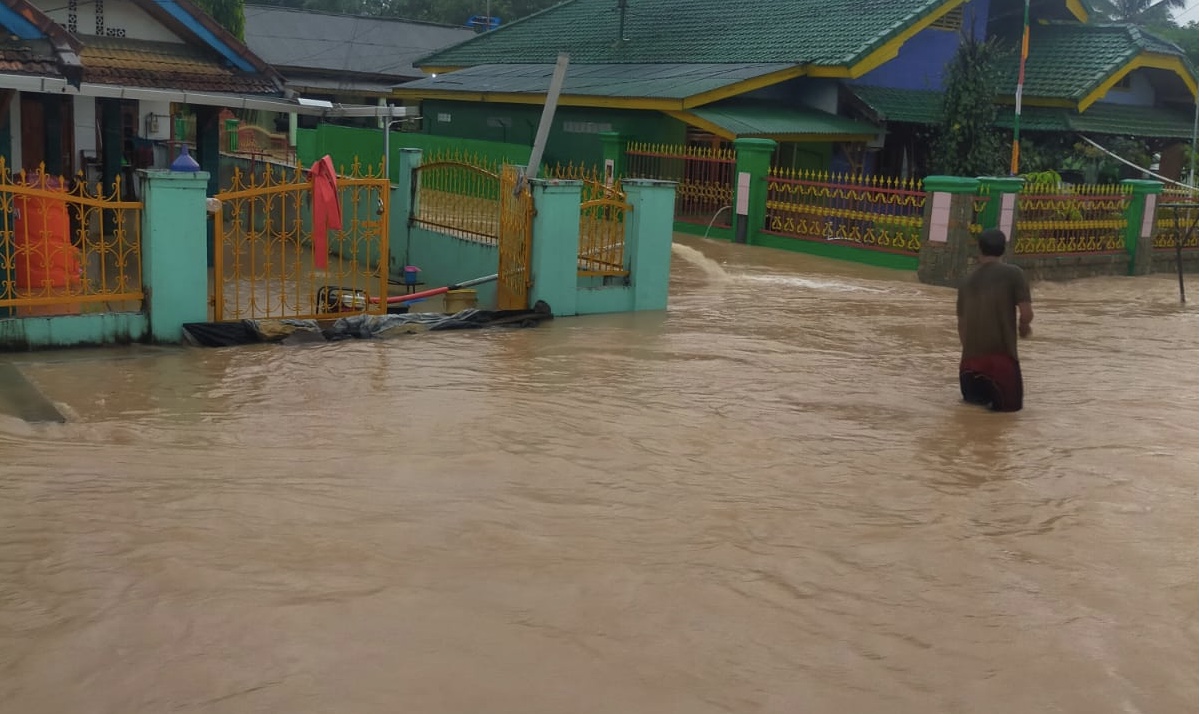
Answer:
(1190, 13)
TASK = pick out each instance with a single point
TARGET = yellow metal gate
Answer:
(264, 265)
(516, 233)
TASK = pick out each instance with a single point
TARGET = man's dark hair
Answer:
(992, 242)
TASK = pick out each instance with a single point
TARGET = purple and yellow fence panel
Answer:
(1058, 220)
(264, 265)
(458, 194)
(872, 212)
(67, 247)
(704, 176)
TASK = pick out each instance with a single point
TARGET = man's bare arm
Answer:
(1025, 309)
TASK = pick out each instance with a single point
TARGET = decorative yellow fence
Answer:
(872, 212)
(602, 221)
(264, 265)
(515, 241)
(704, 176)
(458, 194)
(1056, 220)
(1177, 220)
(67, 247)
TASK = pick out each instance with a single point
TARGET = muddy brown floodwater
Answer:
(767, 499)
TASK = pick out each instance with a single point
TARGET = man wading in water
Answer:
(987, 305)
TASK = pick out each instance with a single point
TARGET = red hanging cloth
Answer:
(326, 209)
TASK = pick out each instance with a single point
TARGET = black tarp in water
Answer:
(245, 332)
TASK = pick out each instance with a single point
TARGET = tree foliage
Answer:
(967, 142)
(449, 12)
(1138, 12)
(229, 14)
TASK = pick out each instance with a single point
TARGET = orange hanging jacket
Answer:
(326, 209)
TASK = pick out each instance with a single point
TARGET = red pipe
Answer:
(414, 296)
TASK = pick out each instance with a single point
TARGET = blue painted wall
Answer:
(1139, 93)
(922, 60)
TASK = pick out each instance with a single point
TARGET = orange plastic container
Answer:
(45, 264)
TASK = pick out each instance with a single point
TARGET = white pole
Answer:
(547, 118)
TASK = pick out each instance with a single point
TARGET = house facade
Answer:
(95, 89)
(840, 87)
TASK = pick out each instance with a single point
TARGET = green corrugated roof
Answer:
(1134, 121)
(901, 105)
(821, 32)
(651, 81)
(1068, 60)
(767, 120)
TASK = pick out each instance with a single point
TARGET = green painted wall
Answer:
(445, 260)
(105, 328)
(574, 136)
(344, 143)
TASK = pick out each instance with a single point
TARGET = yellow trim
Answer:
(439, 70)
(819, 138)
(1077, 10)
(744, 86)
(1146, 60)
(890, 49)
(710, 127)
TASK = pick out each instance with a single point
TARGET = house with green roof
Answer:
(840, 84)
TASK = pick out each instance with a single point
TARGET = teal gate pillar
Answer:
(1142, 224)
(614, 147)
(554, 254)
(749, 187)
(1000, 210)
(174, 251)
(403, 205)
(648, 237)
(947, 247)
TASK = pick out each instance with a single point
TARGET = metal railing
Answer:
(264, 263)
(704, 176)
(603, 216)
(872, 212)
(67, 247)
(1055, 219)
(459, 195)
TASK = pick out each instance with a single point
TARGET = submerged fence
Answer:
(67, 247)
(872, 212)
(603, 215)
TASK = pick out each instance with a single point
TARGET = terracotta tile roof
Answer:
(34, 57)
(164, 65)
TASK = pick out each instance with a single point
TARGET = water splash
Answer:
(811, 283)
(711, 269)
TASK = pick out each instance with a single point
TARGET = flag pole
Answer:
(1020, 93)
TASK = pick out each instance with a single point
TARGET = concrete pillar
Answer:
(948, 246)
(554, 260)
(403, 204)
(1142, 224)
(174, 272)
(649, 233)
(1001, 211)
(614, 145)
(749, 187)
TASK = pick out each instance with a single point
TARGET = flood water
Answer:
(767, 499)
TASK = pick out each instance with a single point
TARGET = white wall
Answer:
(121, 18)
